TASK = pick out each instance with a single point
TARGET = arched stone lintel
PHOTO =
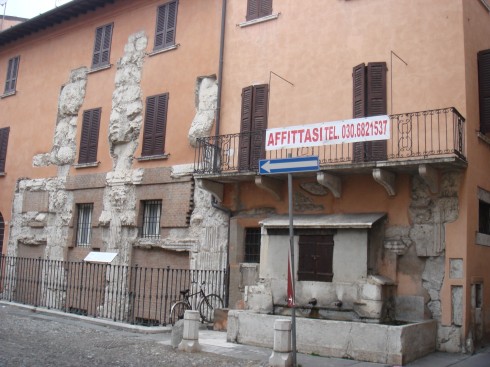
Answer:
(385, 179)
(331, 182)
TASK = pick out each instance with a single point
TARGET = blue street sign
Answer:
(288, 165)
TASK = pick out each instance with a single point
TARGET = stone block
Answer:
(409, 308)
(456, 268)
(220, 319)
(372, 292)
(369, 309)
(35, 201)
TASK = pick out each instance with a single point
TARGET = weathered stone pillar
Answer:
(282, 354)
(190, 341)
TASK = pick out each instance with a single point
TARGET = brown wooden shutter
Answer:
(484, 90)
(155, 125)
(315, 258)
(4, 139)
(265, 8)
(258, 8)
(12, 71)
(89, 140)
(102, 46)
(166, 25)
(376, 105)
(359, 106)
(245, 129)
(259, 123)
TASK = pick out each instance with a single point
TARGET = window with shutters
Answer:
(151, 219)
(4, 139)
(258, 9)
(84, 224)
(484, 90)
(315, 258)
(102, 46)
(166, 25)
(252, 126)
(90, 136)
(12, 72)
(155, 125)
(369, 99)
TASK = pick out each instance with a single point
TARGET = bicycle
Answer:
(206, 306)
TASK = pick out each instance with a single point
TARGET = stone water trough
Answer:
(390, 344)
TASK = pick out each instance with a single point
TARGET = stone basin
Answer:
(390, 344)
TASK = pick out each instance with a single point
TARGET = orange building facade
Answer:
(137, 128)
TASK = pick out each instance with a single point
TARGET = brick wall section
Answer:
(97, 180)
(154, 176)
(149, 282)
(35, 201)
(177, 201)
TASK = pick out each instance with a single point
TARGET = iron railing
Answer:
(415, 135)
(129, 294)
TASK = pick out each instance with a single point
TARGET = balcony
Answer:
(420, 141)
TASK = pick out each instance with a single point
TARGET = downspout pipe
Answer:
(214, 202)
(220, 68)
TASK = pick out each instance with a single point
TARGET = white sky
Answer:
(29, 8)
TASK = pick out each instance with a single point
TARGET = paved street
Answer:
(29, 338)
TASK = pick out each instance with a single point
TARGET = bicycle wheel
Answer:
(207, 306)
(177, 311)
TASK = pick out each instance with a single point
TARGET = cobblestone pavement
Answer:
(29, 339)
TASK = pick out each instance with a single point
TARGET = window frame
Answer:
(151, 219)
(84, 224)
(155, 125)
(13, 66)
(101, 55)
(252, 245)
(89, 136)
(164, 32)
(310, 271)
(4, 139)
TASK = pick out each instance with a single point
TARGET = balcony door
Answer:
(252, 126)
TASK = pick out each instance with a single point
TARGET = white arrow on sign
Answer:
(274, 166)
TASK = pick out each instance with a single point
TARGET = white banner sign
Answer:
(325, 133)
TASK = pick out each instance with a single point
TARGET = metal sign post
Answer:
(290, 165)
(291, 251)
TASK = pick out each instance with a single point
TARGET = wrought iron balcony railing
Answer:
(415, 135)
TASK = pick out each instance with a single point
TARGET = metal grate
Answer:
(151, 218)
(84, 224)
(252, 245)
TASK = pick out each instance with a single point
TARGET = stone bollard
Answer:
(190, 340)
(282, 355)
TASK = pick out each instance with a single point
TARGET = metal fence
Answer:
(414, 135)
(130, 294)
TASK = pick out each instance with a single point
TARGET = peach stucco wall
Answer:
(48, 56)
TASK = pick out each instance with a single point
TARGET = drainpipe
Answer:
(220, 68)
(214, 202)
